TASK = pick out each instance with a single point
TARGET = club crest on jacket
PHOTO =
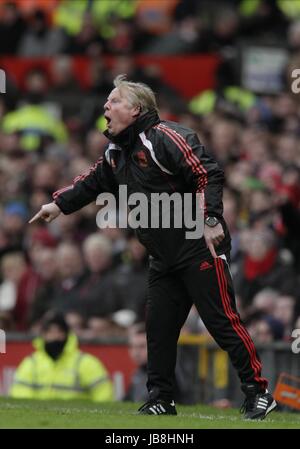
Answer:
(141, 158)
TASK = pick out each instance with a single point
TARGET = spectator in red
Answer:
(262, 266)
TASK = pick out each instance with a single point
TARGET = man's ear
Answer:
(136, 111)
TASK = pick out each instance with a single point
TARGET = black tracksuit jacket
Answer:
(155, 156)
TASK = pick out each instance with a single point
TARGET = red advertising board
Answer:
(189, 74)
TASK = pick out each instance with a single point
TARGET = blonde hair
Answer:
(139, 94)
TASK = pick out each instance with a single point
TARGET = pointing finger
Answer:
(36, 217)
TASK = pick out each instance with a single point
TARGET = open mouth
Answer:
(108, 120)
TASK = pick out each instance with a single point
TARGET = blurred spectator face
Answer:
(238, 173)
(284, 106)
(96, 142)
(13, 267)
(74, 147)
(97, 253)
(36, 84)
(259, 244)
(14, 218)
(45, 176)
(259, 201)
(46, 263)
(284, 309)
(265, 301)
(189, 29)
(18, 164)
(226, 24)
(119, 113)
(258, 153)
(69, 261)
(288, 148)
(62, 71)
(99, 327)
(250, 136)
(38, 240)
(37, 199)
(262, 332)
(75, 322)
(223, 137)
(138, 348)
(97, 260)
(270, 174)
(9, 143)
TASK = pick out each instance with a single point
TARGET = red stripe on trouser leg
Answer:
(234, 319)
(236, 324)
(254, 359)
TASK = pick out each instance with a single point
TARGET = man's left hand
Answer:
(213, 237)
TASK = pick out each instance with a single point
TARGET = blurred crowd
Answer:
(50, 131)
(92, 27)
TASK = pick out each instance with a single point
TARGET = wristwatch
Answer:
(211, 221)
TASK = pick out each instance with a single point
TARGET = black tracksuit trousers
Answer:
(170, 297)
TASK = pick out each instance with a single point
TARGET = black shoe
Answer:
(158, 407)
(257, 405)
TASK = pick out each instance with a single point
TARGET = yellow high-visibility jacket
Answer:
(74, 375)
(69, 14)
(290, 8)
(33, 121)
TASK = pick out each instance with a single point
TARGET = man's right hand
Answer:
(48, 212)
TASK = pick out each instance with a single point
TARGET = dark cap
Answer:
(54, 317)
